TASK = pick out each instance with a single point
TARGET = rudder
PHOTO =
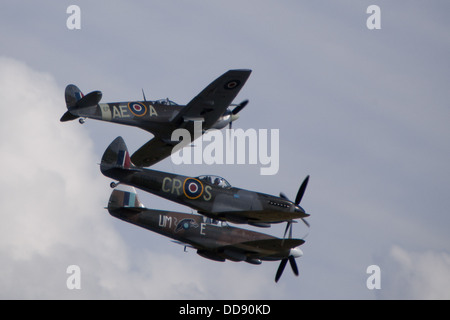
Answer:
(116, 156)
(72, 95)
(125, 199)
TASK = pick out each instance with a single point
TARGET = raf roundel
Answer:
(137, 108)
(192, 188)
(230, 85)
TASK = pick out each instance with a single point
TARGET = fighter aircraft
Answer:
(211, 196)
(213, 240)
(162, 117)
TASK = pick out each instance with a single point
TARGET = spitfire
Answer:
(161, 117)
(216, 201)
(212, 239)
(211, 196)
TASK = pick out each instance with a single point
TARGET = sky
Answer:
(364, 112)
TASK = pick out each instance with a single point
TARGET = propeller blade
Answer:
(239, 107)
(301, 191)
(290, 230)
(293, 265)
(280, 269)
(282, 195)
(288, 226)
(305, 222)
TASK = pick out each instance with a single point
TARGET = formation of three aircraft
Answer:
(212, 196)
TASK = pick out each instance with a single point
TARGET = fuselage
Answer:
(212, 239)
(210, 196)
(153, 116)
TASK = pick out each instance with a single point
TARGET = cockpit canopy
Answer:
(166, 102)
(218, 223)
(215, 180)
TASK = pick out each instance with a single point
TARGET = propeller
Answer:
(235, 111)
(290, 258)
(298, 199)
(288, 230)
(239, 107)
(301, 191)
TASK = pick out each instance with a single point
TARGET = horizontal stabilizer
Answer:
(67, 117)
(89, 100)
(75, 99)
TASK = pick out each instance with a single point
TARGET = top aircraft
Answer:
(162, 117)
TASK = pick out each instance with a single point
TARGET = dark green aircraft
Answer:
(213, 240)
(161, 117)
(211, 196)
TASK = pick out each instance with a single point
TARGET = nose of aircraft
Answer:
(234, 117)
(296, 252)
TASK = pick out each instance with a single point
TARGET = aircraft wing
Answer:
(266, 247)
(210, 104)
(152, 152)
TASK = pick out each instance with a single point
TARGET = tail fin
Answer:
(75, 99)
(126, 199)
(72, 95)
(116, 156)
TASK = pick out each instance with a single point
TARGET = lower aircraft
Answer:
(213, 240)
(211, 196)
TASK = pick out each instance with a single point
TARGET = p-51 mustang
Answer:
(215, 241)
(211, 196)
(162, 117)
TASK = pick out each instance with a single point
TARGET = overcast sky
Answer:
(365, 112)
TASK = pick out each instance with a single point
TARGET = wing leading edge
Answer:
(208, 106)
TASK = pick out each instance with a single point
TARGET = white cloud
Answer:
(52, 194)
(415, 275)
(53, 216)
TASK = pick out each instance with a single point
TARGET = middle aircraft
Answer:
(162, 117)
(211, 196)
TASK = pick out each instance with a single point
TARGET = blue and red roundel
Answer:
(192, 188)
(137, 108)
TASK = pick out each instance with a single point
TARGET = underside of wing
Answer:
(266, 247)
(257, 216)
(152, 152)
(210, 104)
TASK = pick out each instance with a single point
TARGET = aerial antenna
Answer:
(143, 94)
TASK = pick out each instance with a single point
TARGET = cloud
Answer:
(51, 191)
(52, 214)
(415, 275)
